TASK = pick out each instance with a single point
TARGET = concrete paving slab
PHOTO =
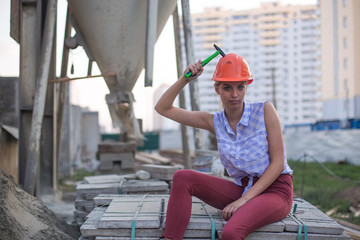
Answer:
(159, 168)
(84, 205)
(203, 215)
(117, 219)
(105, 199)
(89, 191)
(315, 220)
(133, 186)
(121, 213)
(111, 178)
(160, 171)
(292, 236)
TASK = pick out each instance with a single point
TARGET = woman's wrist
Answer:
(245, 198)
(184, 79)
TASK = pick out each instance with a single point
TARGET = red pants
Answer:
(271, 206)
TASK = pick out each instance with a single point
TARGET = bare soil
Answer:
(353, 195)
(23, 216)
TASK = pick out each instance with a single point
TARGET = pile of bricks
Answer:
(92, 186)
(143, 217)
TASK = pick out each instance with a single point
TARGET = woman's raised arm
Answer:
(165, 105)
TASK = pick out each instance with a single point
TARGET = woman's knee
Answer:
(181, 175)
(234, 231)
(230, 234)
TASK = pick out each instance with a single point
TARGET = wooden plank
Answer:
(142, 159)
(156, 158)
(116, 147)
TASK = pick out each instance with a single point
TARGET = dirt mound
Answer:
(23, 216)
(353, 195)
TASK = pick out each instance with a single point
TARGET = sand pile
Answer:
(23, 216)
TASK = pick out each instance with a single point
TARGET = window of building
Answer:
(346, 85)
(345, 42)
(345, 63)
(345, 22)
(344, 3)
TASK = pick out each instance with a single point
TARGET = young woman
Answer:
(250, 146)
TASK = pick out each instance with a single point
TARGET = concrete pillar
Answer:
(190, 58)
(29, 58)
(37, 38)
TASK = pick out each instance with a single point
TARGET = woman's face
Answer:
(232, 94)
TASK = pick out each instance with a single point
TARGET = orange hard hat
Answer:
(232, 68)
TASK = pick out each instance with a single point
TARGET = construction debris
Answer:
(23, 216)
(144, 216)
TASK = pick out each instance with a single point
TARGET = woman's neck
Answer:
(234, 116)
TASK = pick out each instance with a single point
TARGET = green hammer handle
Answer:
(206, 61)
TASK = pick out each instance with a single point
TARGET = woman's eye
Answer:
(241, 87)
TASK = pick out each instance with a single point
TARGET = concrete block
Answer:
(108, 165)
(160, 171)
(108, 160)
(117, 157)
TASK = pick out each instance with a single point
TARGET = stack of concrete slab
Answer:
(144, 217)
(161, 172)
(116, 157)
(88, 189)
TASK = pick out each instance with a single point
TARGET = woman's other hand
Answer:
(230, 209)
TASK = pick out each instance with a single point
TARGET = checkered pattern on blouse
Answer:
(245, 154)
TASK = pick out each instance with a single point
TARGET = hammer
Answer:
(206, 61)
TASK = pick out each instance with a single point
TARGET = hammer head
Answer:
(220, 51)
